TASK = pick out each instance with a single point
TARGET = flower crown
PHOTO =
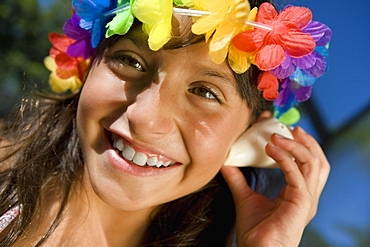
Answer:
(288, 47)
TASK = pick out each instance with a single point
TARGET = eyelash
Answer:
(128, 60)
(132, 62)
(207, 91)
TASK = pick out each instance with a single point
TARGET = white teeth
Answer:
(166, 164)
(152, 161)
(159, 163)
(128, 152)
(140, 159)
(119, 144)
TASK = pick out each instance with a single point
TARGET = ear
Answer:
(264, 115)
(249, 148)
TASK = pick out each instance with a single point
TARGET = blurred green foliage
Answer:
(24, 28)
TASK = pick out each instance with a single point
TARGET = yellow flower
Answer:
(57, 84)
(207, 24)
(156, 16)
(227, 18)
(240, 61)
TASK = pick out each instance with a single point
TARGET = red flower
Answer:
(269, 84)
(67, 66)
(286, 36)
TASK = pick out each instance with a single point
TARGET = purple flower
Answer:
(321, 33)
(291, 93)
(314, 64)
(82, 46)
(284, 94)
(318, 68)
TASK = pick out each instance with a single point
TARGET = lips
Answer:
(140, 158)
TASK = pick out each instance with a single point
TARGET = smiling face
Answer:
(156, 126)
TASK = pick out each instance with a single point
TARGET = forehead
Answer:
(181, 32)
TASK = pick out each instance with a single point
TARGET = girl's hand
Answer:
(280, 222)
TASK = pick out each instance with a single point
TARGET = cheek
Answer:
(208, 153)
(212, 139)
(87, 112)
(100, 95)
(95, 103)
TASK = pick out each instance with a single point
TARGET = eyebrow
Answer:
(137, 39)
(207, 71)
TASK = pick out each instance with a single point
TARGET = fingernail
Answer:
(279, 136)
(301, 130)
(272, 145)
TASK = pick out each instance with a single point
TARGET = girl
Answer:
(135, 158)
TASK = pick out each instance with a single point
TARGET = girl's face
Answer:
(172, 107)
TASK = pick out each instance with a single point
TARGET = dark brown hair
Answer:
(40, 152)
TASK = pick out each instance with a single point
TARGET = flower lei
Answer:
(288, 47)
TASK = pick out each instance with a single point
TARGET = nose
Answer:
(151, 114)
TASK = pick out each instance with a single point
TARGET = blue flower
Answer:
(93, 16)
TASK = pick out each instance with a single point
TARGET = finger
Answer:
(315, 171)
(308, 141)
(296, 189)
(308, 163)
(237, 183)
(293, 175)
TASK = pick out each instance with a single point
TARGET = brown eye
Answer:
(204, 92)
(132, 62)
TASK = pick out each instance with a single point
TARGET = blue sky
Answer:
(340, 95)
(344, 90)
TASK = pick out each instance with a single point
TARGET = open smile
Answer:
(141, 158)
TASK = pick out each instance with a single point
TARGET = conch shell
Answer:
(249, 148)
